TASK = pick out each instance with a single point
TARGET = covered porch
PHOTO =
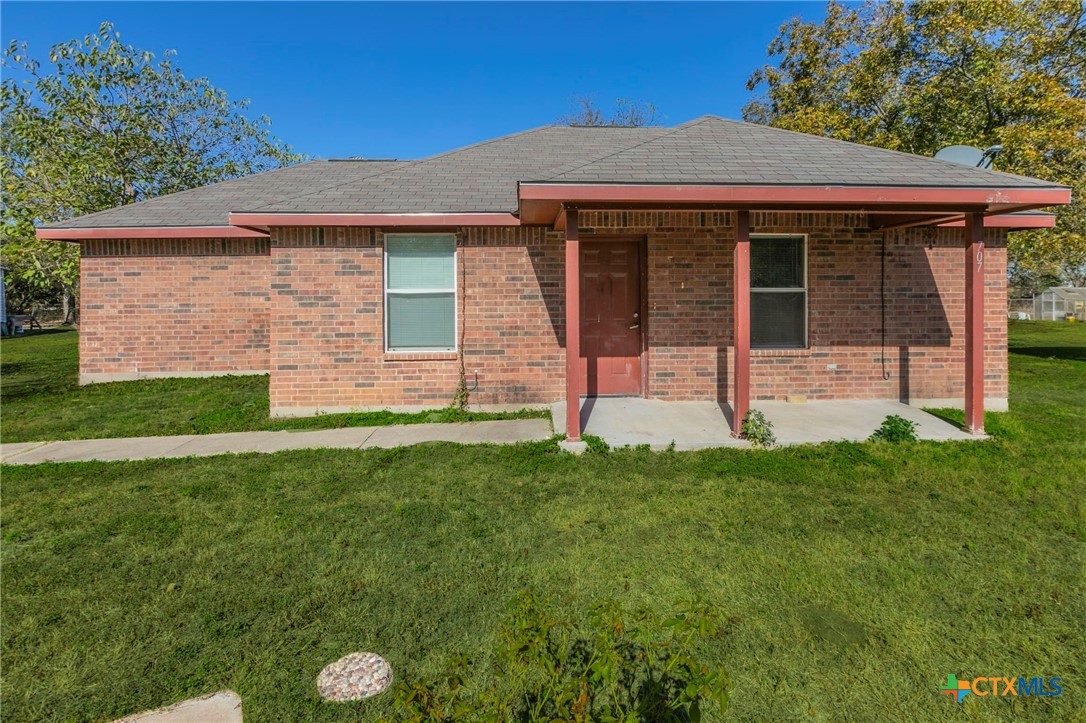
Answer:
(638, 420)
(633, 421)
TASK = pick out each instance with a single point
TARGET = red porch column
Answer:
(741, 314)
(573, 327)
(974, 323)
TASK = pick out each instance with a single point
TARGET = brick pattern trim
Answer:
(175, 247)
(324, 237)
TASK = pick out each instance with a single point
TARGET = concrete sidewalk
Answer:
(206, 445)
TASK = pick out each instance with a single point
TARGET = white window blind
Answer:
(420, 292)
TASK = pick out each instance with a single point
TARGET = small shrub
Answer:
(757, 430)
(621, 667)
(596, 445)
(895, 429)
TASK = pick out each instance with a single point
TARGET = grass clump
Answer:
(617, 666)
(596, 445)
(757, 430)
(895, 429)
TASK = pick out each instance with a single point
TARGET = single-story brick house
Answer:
(714, 260)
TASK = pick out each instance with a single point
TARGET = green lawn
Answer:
(854, 577)
(40, 399)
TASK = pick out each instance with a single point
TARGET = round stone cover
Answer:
(354, 677)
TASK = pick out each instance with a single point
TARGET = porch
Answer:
(608, 348)
(632, 421)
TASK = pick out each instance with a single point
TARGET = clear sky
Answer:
(406, 80)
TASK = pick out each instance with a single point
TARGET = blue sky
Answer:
(407, 80)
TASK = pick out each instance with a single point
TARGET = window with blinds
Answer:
(778, 292)
(420, 292)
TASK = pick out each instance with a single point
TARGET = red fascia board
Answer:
(753, 195)
(140, 232)
(267, 220)
(1008, 221)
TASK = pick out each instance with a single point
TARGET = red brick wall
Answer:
(172, 307)
(922, 356)
(165, 307)
(328, 337)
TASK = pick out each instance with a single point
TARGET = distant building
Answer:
(1059, 302)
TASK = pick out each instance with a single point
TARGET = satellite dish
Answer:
(969, 156)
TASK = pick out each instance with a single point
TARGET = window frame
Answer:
(455, 291)
(804, 240)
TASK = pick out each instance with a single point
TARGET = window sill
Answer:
(409, 356)
(805, 351)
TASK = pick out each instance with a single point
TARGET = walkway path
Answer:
(205, 445)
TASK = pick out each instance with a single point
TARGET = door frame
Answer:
(643, 261)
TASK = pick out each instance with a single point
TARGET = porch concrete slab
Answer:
(632, 421)
(850, 420)
(499, 432)
(102, 450)
(221, 707)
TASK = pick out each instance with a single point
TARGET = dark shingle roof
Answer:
(211, 205)
(714, 150)
(484, 177)
(479, 178)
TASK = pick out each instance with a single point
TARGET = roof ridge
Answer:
(405, 165)
(875, 148)
(671, 132)
(175, 194)
(701, 119)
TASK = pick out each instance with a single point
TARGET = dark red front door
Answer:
(611, 316)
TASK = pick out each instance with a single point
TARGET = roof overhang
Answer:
(265, 221)
(1010, 220)
(541, 203)
(146, 232)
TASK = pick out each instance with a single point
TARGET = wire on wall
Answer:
(882, 303)
(463, 393)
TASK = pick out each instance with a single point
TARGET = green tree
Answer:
(920, 76)
(108, 125)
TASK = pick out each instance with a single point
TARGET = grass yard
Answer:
(855, 577)
(40, 399)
